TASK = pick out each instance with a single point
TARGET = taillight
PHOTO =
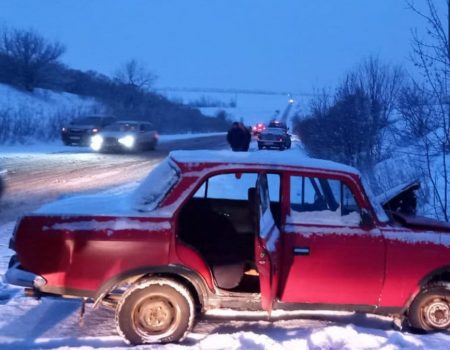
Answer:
(95, 130)
(64, 129)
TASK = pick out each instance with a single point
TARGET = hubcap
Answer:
(154, 316)
(437, 314)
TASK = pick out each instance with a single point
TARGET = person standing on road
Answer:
(236, 137)
(247, 137)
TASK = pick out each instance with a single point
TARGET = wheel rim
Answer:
(155, 316)
(436, 314)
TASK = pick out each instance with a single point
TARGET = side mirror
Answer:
(366, 219)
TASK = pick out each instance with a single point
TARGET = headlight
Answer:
(127, 141)
(96, 142)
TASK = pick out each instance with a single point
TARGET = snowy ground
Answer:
(55, 324)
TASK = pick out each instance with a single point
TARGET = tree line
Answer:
(29, 61)
(378, 108)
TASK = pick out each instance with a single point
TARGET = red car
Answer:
(258, 128)
(244, 231)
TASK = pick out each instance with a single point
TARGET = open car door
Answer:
(267, 245)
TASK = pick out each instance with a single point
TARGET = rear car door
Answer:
(329, 257)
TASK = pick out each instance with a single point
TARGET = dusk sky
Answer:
(282, 45)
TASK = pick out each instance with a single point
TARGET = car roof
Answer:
(265, 158)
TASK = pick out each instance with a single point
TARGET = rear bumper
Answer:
(19, 277)
(276, 144)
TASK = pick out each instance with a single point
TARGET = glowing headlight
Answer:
(96, 142)
(127, 141)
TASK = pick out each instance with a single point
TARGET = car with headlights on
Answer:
(80, 130)
(274, 138)
(125, 136)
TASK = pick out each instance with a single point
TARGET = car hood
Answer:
(401, 198)
(83, 126)
(401, 202)
(117, 134)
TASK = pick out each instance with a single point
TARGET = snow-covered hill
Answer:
(40, 114)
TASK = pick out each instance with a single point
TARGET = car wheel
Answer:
(155, 311)
(430, 310)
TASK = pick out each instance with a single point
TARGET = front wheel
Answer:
(155, 311)
(430, 311)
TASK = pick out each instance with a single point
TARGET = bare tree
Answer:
(381, 83)
(136, 74)
(29, 56)
(431, 55)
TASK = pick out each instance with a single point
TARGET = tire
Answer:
(155, 311)
(430, 310)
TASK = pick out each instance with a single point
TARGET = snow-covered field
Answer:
(55, 324)
(251, 108)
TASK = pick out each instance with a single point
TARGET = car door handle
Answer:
(301, 251)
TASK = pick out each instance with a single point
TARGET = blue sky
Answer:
(283, 45)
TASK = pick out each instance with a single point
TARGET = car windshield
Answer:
(122, 127)
(87, 121)
(379, 211)
(156, 186)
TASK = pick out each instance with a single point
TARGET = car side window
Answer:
(227, 186)
(235, 186)
(322, 201)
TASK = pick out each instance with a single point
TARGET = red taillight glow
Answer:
(95, 130)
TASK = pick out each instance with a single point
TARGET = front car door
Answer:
(328, 256)
(267, 243)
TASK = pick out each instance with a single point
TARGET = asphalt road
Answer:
(36, 179)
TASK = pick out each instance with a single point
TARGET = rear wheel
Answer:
(155, 311)
(430, 311)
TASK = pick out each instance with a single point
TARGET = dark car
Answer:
(274, 138)
(125, 136)
(278, 124)
(258, 128)
(80, 130)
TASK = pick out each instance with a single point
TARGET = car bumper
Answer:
(78, 140)
(271, 143)
(17, 276)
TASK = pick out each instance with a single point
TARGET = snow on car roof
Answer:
(286, 158)
(273, 130)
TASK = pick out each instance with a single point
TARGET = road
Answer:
(36, 179)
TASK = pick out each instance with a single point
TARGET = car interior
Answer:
(223, 232)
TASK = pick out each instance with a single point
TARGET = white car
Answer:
(125, 136)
